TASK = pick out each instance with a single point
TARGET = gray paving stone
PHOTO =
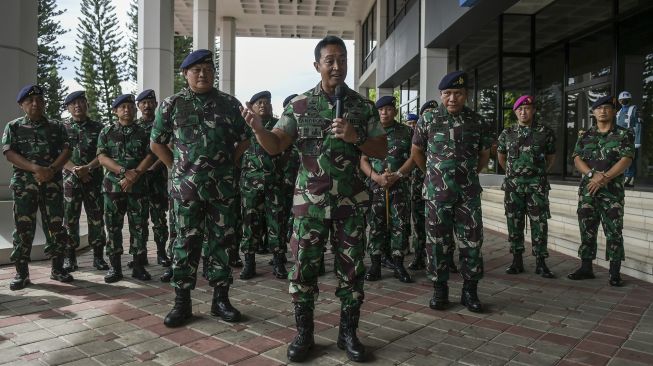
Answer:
(508, 339)
(31, 337)
(497, 350)
(46, 345)
(63, 356)
(549, 348)
(173, 356)
(117, 357)
(135, 337)
(99, 347)
(477, 358)
(419, 360)
(393, 353)
(155, 346)
(536, 359)
(449, 352)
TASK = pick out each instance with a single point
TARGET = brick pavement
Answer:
(529, 320)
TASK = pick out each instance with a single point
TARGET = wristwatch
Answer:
(590, 174)
(122, 170)
(400, 174)
(360, 139)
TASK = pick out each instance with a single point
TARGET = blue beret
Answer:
(608, 99)
(125, 98)
(73, 96)
(454, 80)
(288, 99)
(412, 117)
(384, 101)
(146, 94)
(200, 56)
(27, 91)
(259, 95)
(428, 105)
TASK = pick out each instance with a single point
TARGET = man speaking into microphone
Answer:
(331, 125)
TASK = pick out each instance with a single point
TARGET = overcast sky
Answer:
(282, 66)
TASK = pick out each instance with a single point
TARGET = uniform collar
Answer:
(41, 121)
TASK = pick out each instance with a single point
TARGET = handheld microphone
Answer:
(340, 93)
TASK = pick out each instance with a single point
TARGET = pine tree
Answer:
(98, 51)
(132, 25)
(49, 57)
(183, 46)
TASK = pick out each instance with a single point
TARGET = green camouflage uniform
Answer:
(41, 142)
(451, 145)
(417, 210)
(204, 130)
(600, 151)
(526, 186)
(287, 167)
(330, 194)
(390, 234)
(127, 146)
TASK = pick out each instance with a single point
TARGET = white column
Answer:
(382, 92)
(18, 47)
(432, 65)
(358, 55)
(381, 23)
(228, 55)
(155, 46)
(204, 24)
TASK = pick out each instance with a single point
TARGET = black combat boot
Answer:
(399, 271)
(299, 348)
(162, 256)
(450, 262)
(541, 268)
(322, 270)
(166, 276)
(386, 261)
(615, 276)
(115, 272)
(440, 299)
(138, 270)
(22, 276)
(222, 307)
(347, 338)
(585, 271)
(70, 260)
(469, 297)
(98, 259)
(249, 267)
(58, 273)
(374, 272)
(517, 265)
(205, 267)
(181, 311)
(278, 268)
(234, 258)
(418, 261)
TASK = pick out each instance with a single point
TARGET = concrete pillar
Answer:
(382, 92)
(228, 55)
(156, 46)
(204, 24)
(18, 48)
(432, 64)
(358, 55)
(381, 21)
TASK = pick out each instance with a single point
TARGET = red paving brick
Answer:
(184, 336)
(231, 354)
(559, 339)
(596, 347)
(524, 332)
(284, 335)
(131, 314)
(631, 355)
(198, 361)
(146, 321)
(12, 320)
(260, 344)
(145, 356)
(587, 358)
(259, 361)
(605, 338)
(206, 345)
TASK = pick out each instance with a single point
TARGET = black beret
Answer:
(259, 95)
(454, 80)
(146, 94)
(125, 98)
(608, 99)
(288, 99)
(384, 101)
(200, 56)
(27, 91)
(73, 96)
(428, 105)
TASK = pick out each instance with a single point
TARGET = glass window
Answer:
(369, 39)
(567, 17)
(516, 82)
(590, 57)
(516, 33)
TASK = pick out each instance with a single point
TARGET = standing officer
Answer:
(388, 219)
(82, 182)
(124, 153)
(628, 117)
(208, 136)
(452, 144)
(602, 154)
(37, 148)
(330, 194)
(156, 181)
(527, 151)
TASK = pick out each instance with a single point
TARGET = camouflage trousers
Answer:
(172, 223)
(262, 217)
(389, 233)
(47, 198)
(157, 202)
(464, 218)
(116, 205)
(309, 237)
(418, 224)
(536, 205)
(208, 225)
(76, 193)
(607, 209)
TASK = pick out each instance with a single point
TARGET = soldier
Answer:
(388, 219)
(82, 182)
(601, 155)
(208, 135)
(156, 181)
(260, 188)
(330, 194)
(628, 117)
(37, 148)
(124, 153)
(527, 151)
(452, 144)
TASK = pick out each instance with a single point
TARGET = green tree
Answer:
(183, 46)
(132, 55)
(49, 57)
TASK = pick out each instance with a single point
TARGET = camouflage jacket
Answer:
(83, 137)
(205, 130)
(40, 142)
(526, 148)
(256, 163)
(452, 145)
(159, 174)
(416, 179)
(127, 146)
(600, 151)
(330, 184)
(399, 142)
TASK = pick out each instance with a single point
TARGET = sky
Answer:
(282, 66)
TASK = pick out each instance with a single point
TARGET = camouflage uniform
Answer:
(451, 145)
(600, 151)
(127, 146)
(287, 168)
(330, 194)
(204, 129)
(417, 210)
(526, 186)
